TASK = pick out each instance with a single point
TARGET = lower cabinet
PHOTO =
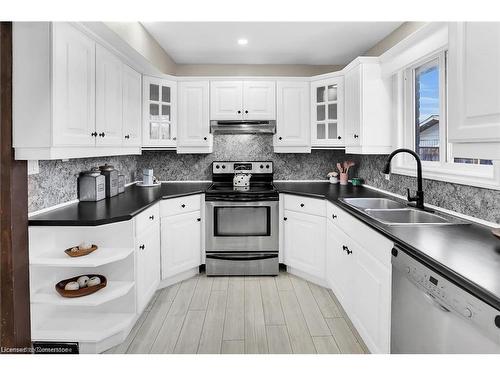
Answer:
(304, 242)
(362, 284)
(148, 265)
(180, 243)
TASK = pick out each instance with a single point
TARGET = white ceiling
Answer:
(314, 43)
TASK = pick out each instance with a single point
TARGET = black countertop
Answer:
(468, 255)
(121, 207)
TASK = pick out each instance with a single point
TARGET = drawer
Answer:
(175, 206)
(377, 244)
(147, 219)
(305, 205)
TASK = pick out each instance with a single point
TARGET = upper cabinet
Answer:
(159, 109)
(327, 112)
(193, 118)
(132, 105)
(242, 100)
(292, 117)
(474, 89)
(367, 124)
(109, 97)
(67, 94)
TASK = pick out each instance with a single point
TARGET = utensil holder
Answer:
(343, 179)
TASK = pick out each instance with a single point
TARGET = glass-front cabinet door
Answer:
(159, 109)
(327, 112)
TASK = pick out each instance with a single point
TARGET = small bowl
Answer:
(82, 291)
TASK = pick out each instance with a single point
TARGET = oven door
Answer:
(241, 226)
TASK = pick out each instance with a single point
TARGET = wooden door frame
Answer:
(15, 332)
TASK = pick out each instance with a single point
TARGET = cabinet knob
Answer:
(239, 112)
(346, 249)
(280, 138)
(356, 136)
(183, 205)
(127, 136)
(339, 137)
(94, 134)
(246, 111)
(152, 217)
(199, 219)
(285, 218)
(204, 138)
(302, 205)
(174, 139)
(334, 216)
(102, 134)
(142, 247)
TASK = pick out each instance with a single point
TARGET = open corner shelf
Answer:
(113, 290)
(81, 326)
(102, 256)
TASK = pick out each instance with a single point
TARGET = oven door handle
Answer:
(241, 257)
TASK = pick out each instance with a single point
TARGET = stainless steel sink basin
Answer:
(406, 216)
(373, 203)
(390, 212)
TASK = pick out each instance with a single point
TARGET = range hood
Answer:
(242, 127)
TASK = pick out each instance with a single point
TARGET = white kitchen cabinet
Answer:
(226, 100)
(259, 100)
(71, 93)
(193, 135)
(148, 265)
(242, 100)
(132, 106)
(367, 117)
(474, 89)
(304, 242)
(292, 118)
(339, 266)
(109, 98)
(180, 243)
(327, 112)
(160, 112)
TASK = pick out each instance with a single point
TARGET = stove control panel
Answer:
(447, 295)
(254, 167)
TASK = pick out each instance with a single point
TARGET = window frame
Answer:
(485, 176)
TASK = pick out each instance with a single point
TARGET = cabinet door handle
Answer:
(152, 217)
(183, 205)
(346, 249)
(199, 219)
(142, 247)
(239, 112)
(102, 134)
(302, 205)
(334, 216)
(204, 138)
(174, 139)
(246, 111)
(285, 218)
(339, 137)
(94, 134)
(127, 136)
(280, 138)
(356, 136)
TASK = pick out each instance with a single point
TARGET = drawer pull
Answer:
(152, 217)
(334, 216)
(183, 205)
(302, 205)
(285, 218)
(199, 219)
(346, 249)
(142, 247)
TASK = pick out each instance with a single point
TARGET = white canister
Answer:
(334, 180)
(147, 177)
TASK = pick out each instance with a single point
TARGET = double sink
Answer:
(391, 212)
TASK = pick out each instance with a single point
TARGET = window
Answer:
(422, 117)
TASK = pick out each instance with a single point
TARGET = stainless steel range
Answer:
(242, 221)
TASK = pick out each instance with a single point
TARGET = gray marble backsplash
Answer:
(469, 200)
(57, 181)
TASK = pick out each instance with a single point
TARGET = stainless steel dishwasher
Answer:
(430, 314)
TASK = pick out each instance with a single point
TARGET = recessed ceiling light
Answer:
(242, 42)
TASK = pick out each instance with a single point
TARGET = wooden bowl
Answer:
(80, 253)
(82, 291)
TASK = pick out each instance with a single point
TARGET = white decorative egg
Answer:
(72, 285)
(82, 281)
(96, 280)
(85, 245)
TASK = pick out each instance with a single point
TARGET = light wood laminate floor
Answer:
(237, 315)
